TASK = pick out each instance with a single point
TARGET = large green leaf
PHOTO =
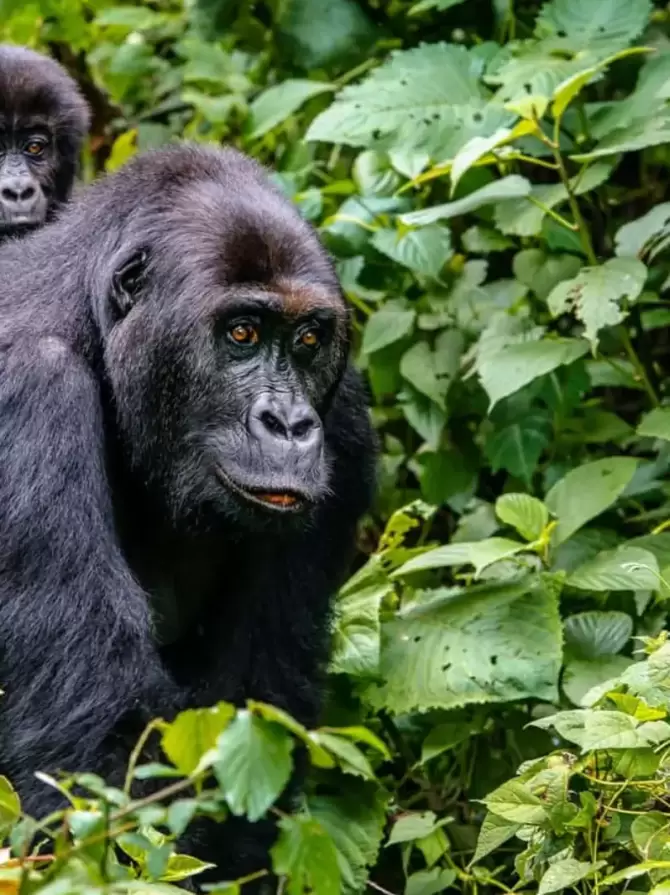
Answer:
(564, 874)
(479, 554)
(527, 514)
(607, 24)
(648, 235)
(194, 732)
(625, 568)
(254, 764)
(591, 635)
(515, 803)
(431, 370)
(508, 370)
(357, 631)
(306, 854)
(652, 130)
(427, 99)
(388, 325)
(586, 492)
(489, 643)
(596, 295)
(424, 251)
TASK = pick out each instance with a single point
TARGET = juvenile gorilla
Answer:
(182, 439)
(43, 123)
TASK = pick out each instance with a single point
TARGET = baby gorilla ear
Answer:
(127, 282)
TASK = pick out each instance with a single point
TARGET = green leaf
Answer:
(565, 873)
(653, 130)
(349, 757)
(279, 102)
(10, 804)
(427, 99)
(590, 635)
(130, 18)
(429, 882)
(656, 424)
(388, 325)
(306, 855)
(444, 737)
(424, 251)
(478, 240)
(254, 764)
(525, 513)
(647, 235)
(524, 217)
(541, 271)
(581, 675)
(597, 294)
(506, 371)
(193, 733)
(356, 636)
(609, 23)
(182, 867)
(322, 33)
(432, 371)
(586, 492)
(485, 644)
(355, 823)
(517, 447)
(422, 6)
(626, 568)
(514, 802)
(412, 826)
(479, 554)
(512, 186)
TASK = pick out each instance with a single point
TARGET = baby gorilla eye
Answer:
(34, 147)
(244, 334)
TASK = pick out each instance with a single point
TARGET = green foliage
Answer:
(491, 179)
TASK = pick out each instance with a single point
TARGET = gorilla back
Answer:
(184, 454)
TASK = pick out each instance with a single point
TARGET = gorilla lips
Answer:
(280, 500)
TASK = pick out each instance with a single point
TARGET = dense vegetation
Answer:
(491, 177)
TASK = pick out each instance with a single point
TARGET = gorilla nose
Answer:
(18, 193)
(285, 419)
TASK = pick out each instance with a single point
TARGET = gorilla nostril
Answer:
(303, 428)
(28, 193)
(9, 195)
(273, 424)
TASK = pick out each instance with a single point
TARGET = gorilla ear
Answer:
(128, 280)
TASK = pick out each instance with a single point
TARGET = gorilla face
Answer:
(43, 121)
(223, 360)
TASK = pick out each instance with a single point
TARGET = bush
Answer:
(492, 180)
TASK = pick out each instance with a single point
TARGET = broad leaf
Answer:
(193, 733)
(506, 371)
(607, 23)
(596, 295)
(254, 764)
(656, 424)
(306, 854)
(427, 99)
(388, 325)
(509, 187)
(494, 832)
(517, 447)
(653, 130)
(424, 251)
(648, 235)
(479, 554)
(514, 802)
(525, 513)
(431, 371)
(590, 635)
(489, 643)
(581, 675)
(565, 873)
(279, 102)
(356, 636)
(586, 492)
(625, 568)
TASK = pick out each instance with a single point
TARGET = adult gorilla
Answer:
(43, 122)
(179, 429)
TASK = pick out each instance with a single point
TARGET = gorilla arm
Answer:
(77, 651)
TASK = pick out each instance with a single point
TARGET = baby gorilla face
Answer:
(27, 166)
(43, 122)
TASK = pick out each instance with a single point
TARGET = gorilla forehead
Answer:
(33, 85)
(214, 218)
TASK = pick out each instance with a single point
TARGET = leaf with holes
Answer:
(427, 99)
(486, 644)
(598, 296)
(601, 26)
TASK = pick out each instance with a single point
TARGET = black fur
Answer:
(116, 394)
(40, 105)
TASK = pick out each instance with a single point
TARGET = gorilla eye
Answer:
(244, 334)
(309, 338)
(35, 147)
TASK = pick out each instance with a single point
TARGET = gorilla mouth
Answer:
(278, 500)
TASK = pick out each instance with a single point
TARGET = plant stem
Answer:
(582, 228)
(639, 366)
